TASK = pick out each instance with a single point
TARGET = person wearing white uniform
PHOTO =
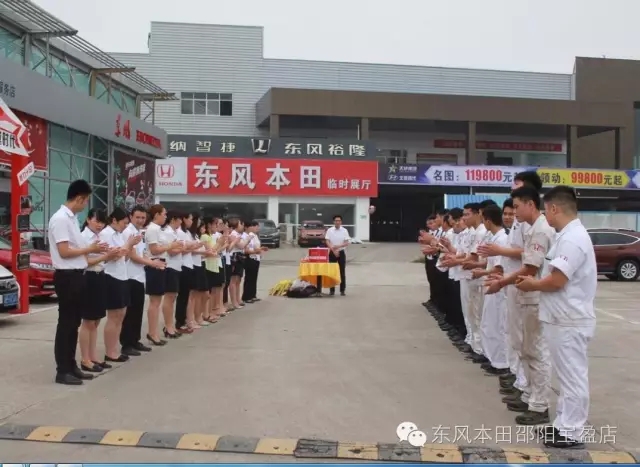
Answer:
(172, 275)
(131, 333)
(184, 300)
(95, 309)
(155, 278)
(200, 285)
(236, 249)
(492, 326)
(254, 251)
(567, 311)
(117, 299)
(337, 238)
(511, 385)
(534, 401)
(69, 250)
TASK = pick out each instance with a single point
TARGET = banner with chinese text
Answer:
(36, 141)
(502, 176)
(294, 177)
(133, 180)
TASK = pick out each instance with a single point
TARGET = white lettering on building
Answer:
(206, 176)
(241, 176)
(278, 177)
(310, 177)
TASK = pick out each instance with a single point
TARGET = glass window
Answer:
(206, 103)
(610, 238)
(116, 97)
(11, 46)
(60, 71)
(101, 91)
(287, 213)
(80, 80)
(325, 212)
(245, 211)
(129, 103)
(38, 61)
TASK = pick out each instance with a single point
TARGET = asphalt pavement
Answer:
(349, 369)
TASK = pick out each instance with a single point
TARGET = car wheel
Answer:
(277, 245)
(628, 270)
(612, 277)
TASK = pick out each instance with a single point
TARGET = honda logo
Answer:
(261, 146)
(165, 171)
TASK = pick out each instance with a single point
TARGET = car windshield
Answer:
(4, 245)
(313, 225)
(267, 224)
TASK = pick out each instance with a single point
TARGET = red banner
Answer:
(37, 140)
(500, 145)
(282, 177)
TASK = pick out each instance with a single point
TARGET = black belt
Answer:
(69, 271)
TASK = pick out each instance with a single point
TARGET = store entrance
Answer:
(401, 211)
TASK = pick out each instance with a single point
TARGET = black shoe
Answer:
(158, 343)
(94, 368)
(512, 398)
(104, 365)
(496, 371)
(68, 379)
(518, 406)
(509, 391)
(507, 383)
(532, 418)
(508, 377)
(424, 304)
(140, 347)
(485, 366)
(466, 348)
(552, 438)
(343, 293)
(81, 375)
(120, 359)
(477, 358)
(332, 292)
(130, 352)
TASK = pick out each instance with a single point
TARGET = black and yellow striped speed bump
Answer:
(314, 448)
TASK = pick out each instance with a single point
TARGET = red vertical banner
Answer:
(18, 192)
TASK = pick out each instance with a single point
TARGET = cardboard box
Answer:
(318, 255)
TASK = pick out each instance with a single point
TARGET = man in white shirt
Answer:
(69, 252)
(337, 238)
(534, 354)
(567, 312)
(131, 332)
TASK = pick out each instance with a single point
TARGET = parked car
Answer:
(40, 272)
(311, 233)
(617, 253)
(9, 290)
(269, 233)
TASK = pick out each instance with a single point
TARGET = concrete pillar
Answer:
(364, 128)
(274, 126)
(617, 149)
(470, 154)
(572, 143)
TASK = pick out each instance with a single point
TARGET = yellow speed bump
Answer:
(283, 447)
(441, 453)
(611, 457)
(525, 455)
(366, 451)
(52, 434)
(122, 438)
(198, 442)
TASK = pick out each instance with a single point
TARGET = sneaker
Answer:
(532, 418)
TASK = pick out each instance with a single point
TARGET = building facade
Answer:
(84, 113)
(415, 117)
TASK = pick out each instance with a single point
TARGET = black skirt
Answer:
(155, 281)
(215, 279)
(117, 293)
(237, 264)
(171, 280)
(200, 279)
(96, 283)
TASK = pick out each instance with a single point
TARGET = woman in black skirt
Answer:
(200, 287)
(226, 262)
(117, 286)
(215, 266)
(94, 310)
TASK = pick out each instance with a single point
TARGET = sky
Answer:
(523, 35)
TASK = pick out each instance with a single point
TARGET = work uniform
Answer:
(155, 279)
(569, 320)
(185, 284)
(514, 319)
(130, 334)
(452, 289)
(476, 293)
(69, 281)
(465, 243)
(174, 262)
(337, 237)
(493, 320)
(534, 351)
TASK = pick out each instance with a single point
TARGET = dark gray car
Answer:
(269, 233)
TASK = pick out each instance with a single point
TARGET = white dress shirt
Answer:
(185, 238)
(169, 235)
(197, 255)
(63, 227)
(254, 244)
(154, 236)
(90, 236)
(135, 270)
(337, 236)
(116, 268)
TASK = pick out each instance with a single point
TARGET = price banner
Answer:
(502, 176)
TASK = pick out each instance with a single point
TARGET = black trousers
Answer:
(455, 316)
(131, 332)
(429, 266)
(70, 287)
(182, 300)
(441, 298)
(341, 259)
(250, 287)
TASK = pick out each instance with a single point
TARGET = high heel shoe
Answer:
(158, 343)
(169, 335)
